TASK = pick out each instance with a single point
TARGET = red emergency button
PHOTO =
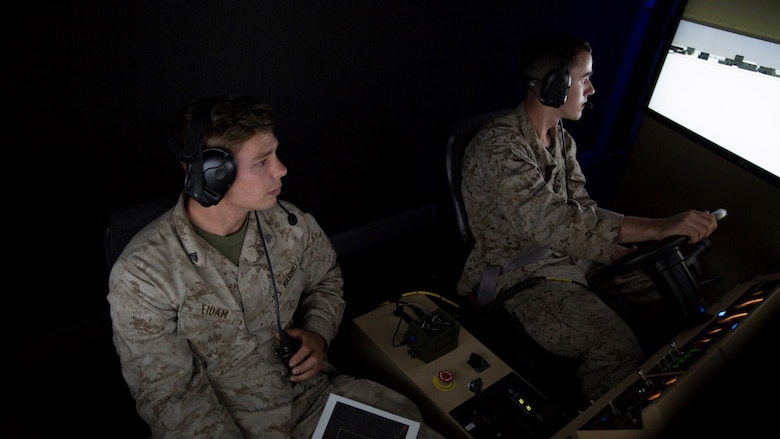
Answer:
(444, 380)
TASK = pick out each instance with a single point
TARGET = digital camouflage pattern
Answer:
(195, 333)
(518, 195)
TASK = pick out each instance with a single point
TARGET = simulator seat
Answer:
(124, 222)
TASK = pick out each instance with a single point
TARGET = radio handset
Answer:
(288, 346)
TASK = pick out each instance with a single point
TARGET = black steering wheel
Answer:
(650, 253)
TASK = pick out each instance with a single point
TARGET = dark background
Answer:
(365, 94)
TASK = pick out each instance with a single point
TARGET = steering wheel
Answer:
(650, 253)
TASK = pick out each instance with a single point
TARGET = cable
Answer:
(534, 83)
(425, 293)
(565, 161)
(285, 337)
(418, 310)
(395, 334)
(399, 305)
(428, 293)
(397, 328)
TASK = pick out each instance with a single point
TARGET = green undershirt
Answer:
(229, 246)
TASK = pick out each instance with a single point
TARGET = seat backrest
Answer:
(124, 222)
(462, 133)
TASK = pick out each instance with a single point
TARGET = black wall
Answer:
(365, 93)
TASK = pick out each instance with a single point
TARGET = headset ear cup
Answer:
(555, 86)
(219, 172)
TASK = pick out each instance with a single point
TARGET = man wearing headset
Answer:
(223, 307)
(524, 194)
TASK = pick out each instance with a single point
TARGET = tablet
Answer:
(344, 418)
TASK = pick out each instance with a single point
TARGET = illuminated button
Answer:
(749, 303)
(731, 318)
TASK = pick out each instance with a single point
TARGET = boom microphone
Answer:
(291, 218)
(589, 105)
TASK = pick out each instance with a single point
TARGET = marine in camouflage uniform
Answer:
(523, 188)
(195, 330)
(515, 192)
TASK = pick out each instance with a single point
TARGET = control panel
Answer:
(510, 408)
(642, 405)
(462, 388)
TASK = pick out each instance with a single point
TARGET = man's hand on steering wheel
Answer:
(631, 259)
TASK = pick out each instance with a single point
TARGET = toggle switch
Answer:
(477, 362)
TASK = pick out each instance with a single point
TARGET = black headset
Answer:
(211, 171)
(554, 86)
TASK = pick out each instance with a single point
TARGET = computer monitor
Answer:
(718, 82)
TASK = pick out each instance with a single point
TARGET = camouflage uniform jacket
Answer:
(195, 333)
(519, 194)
